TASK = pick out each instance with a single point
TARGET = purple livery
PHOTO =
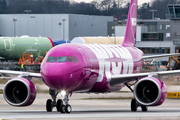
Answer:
(92, 68)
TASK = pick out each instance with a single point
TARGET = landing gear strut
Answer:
(67, 107)
(51, 103)
(134, 103)
(59, 104)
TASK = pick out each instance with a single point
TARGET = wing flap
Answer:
(119, 79)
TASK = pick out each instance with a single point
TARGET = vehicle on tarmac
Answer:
(92, 68)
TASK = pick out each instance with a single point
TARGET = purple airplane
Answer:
(92, 68)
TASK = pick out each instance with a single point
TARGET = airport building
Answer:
(155, 36)
(55, 26)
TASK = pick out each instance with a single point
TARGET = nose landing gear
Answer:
(59, 104)
(67, 107)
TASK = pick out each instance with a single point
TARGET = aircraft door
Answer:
(7, 45)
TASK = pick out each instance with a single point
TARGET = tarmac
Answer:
(91, 107)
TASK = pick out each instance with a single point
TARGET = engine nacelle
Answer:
(19, 92)
(150, 91)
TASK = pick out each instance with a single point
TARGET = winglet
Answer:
(130, 35)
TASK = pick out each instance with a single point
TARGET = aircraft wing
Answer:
(161, 55)
(119, 79)
(28, 74)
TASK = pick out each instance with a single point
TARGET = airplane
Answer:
(92, 68)
(13, 47)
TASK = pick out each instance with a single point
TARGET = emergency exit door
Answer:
(7, 44)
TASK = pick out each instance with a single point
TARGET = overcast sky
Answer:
(139, 1)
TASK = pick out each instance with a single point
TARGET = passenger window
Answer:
(75, 59)
(51, 59)
(62, 59)
(70, 59)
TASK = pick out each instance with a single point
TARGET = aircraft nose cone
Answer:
(59, 78)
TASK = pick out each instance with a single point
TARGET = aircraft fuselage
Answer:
(92, 70)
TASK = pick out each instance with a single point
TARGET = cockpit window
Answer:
(75, 59)
(70, 59)
(62, 59)
(51, 59)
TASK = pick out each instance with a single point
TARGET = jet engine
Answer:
(150, 91)
(19, 92)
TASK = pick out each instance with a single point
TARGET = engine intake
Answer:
(19, 92)
(150, 91)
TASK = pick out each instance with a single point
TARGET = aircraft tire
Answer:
(68, 108)
(133, 105)
(63, 109)
(144, 108)
(49, 105)
(59, 105)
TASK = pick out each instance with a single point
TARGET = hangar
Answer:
(55, 26)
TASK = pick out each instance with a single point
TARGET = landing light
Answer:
(63, 93)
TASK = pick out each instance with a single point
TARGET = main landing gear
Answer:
(134, 103)
(59, 104)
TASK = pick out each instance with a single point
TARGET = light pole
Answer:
(115, 21)
(14, 20)
(153, 13)
(63, 28)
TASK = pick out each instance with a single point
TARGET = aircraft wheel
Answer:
(133, 105)
(59, 105)
(68, 109)
(49, 105)
(63, 109)
(144, 108)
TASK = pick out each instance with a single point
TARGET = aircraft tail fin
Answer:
(130, 35)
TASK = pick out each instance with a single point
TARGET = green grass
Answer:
(1, 91)
(3, 81)
(38, 91)
(123, 92)
(108, 98)
(43, 91)
(172, 98)
(176, 84)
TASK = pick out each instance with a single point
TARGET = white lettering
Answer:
(112, 56)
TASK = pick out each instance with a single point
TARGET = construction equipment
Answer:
(173, 63)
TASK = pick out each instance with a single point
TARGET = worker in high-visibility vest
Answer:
(22, 67)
